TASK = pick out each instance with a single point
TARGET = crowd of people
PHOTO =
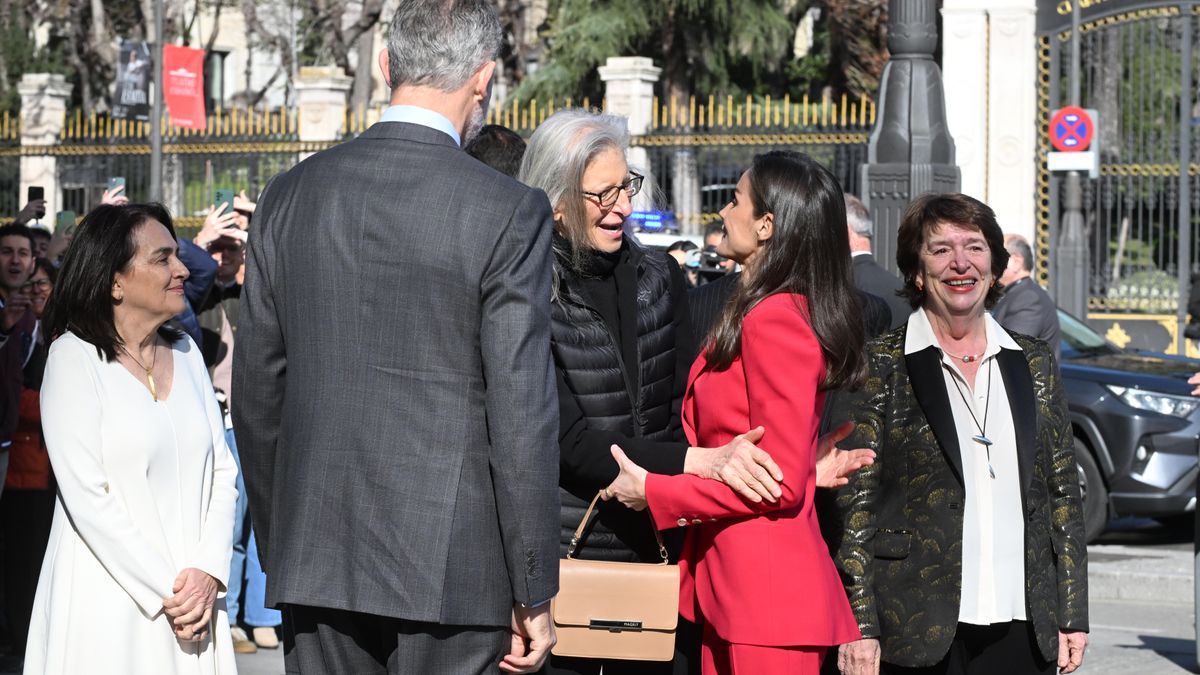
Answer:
(445, 358)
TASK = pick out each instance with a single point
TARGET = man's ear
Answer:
(385, 67)
(483, 80)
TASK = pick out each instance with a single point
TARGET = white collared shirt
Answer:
(422, 116)
(993, 546)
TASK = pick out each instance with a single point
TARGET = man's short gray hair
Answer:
(441, 43)
(1015, 244)
(859, 218)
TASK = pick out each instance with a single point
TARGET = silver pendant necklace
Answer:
(980, 438)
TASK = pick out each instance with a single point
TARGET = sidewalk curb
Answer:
(1116, 573)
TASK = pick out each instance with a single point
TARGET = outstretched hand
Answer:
(834, 467)
(630, 486)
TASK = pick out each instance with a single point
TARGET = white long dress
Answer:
(145, 490)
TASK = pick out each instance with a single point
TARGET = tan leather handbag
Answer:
(615, 610)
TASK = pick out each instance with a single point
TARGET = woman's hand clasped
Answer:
(630, 486)
(190, 609)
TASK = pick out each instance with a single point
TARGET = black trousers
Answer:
(686, 662)
(26, 516)
(998, 649)
(319, 640)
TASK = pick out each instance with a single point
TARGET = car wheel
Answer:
(1095, 494)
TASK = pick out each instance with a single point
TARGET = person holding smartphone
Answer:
(35, 206)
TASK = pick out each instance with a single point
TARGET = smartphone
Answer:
(116, 182)
(34, 192)
(224, 197)
(65, 222)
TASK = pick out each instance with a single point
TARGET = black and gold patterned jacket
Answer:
(900, 548)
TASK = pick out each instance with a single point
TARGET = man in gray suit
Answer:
(869, 276)
(397, 418)
(1025, 307)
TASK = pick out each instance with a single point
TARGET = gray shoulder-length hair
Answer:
(558, 153)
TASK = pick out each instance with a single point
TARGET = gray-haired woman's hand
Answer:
(740, 464)
(190, 609)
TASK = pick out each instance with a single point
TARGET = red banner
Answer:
(183, 89)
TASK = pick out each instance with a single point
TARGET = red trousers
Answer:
(718, 657)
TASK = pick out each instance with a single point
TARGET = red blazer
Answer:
(759, 573)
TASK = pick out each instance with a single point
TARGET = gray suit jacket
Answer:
(396, 410)
(1028, 309)
(871, 277)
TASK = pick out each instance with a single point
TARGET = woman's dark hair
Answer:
(684, 245)
(809, 254)
(45, 266)
(924, 216)
(104, 244)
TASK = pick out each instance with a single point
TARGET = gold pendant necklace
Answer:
(149, 371)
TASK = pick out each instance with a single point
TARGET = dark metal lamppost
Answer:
(911, 151)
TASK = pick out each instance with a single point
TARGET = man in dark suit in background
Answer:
(1025, 307)
(869, 276)
(397, 414)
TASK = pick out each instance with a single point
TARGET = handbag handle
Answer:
(662, 550)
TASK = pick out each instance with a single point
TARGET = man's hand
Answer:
(834, 467)
(218, 223)
(114, 197)
(18, 303)
(1071, 646)
(34, 210)
(740, 464)
(532, 639)
(1195, 381)
(860, 657)
(190, 609)
(630, 486)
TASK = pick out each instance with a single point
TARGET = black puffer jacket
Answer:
(621, 377)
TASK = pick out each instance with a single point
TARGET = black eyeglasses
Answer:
(608, 198)
(40, 285)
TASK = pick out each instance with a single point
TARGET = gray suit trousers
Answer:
(320, 641)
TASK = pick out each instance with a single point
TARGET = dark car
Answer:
(1137, 427)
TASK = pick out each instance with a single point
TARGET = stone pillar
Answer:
(321, 96)
(911, 151)
(989, 52)
(43, 111)
(965, 71)
(629, 91)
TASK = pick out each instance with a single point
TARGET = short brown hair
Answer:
(924, 215)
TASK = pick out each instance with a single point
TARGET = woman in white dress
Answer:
(135, 570)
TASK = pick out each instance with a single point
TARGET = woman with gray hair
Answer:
(622, 346)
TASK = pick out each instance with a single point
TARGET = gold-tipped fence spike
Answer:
(711, 101)
(691, 111)
(728, 110)
(843, 110)
(655, 118)
(749, 110)
(804, 107)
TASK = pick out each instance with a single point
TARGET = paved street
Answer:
(1141, 605)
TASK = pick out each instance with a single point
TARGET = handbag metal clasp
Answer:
(615, 626)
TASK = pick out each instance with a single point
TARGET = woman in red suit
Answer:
(757, 573)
